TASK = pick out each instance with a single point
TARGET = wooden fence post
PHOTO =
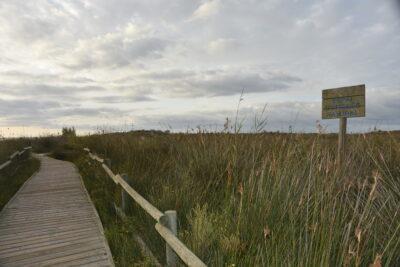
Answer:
(124, 195)
(172, 224)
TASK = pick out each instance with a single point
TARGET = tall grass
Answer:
(15, 174)
(266, 199)
(9, 146)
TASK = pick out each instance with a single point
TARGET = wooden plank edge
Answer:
(98, 221)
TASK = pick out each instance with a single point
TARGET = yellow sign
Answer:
(343, 102)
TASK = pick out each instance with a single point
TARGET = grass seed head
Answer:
(377, 262)
(357, 233)
(267, 232)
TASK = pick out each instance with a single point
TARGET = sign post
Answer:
(342, 103)
(342, 138)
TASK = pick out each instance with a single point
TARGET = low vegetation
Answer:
(119, 233)
(14, 175)
(9, 146)
(256, 199)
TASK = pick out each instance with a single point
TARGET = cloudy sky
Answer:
(180, 64)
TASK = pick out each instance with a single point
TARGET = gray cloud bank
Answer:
(301, 116)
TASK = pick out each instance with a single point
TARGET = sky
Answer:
(182, 64)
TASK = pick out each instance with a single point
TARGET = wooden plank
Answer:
(50, 216)
(7, 228)
(48, 240)
(78, 258)
(356, 90)
(38, 253)
(344, 102)
(43, 232)
(55, 254)
(343, 113)
(39, 237)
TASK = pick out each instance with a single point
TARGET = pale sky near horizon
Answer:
(180, 64)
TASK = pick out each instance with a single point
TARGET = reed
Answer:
(262, 199)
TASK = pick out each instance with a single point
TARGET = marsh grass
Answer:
(14, 176)
(9, 146)
(259, 199)
(119, 233)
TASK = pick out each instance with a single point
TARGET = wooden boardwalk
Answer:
(51, 221)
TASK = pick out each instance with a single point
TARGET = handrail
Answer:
(150, 209)
(187, 256)
(13, 155)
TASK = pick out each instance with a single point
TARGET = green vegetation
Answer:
(14, 176)
(119, 233)
(255, 199)
(68, 131)
(9, 146)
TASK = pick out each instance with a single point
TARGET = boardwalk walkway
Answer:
(51, 221)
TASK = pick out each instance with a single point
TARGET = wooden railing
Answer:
(166, 224)
(15, 156)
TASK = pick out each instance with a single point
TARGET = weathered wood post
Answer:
(124, 195)
(342, 139)
(171, 224)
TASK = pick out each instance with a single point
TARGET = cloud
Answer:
(26, 111)
(168, 74)
(88, 112)
(49, 113)
(207, 82)
(31, 77)
(115, 50)
(206, 9)
(221, 45)
(97, 60)
(230, 82)
(47, 90)
(24, 26)
(121, 99)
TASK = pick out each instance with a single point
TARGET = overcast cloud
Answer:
(182, 63)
